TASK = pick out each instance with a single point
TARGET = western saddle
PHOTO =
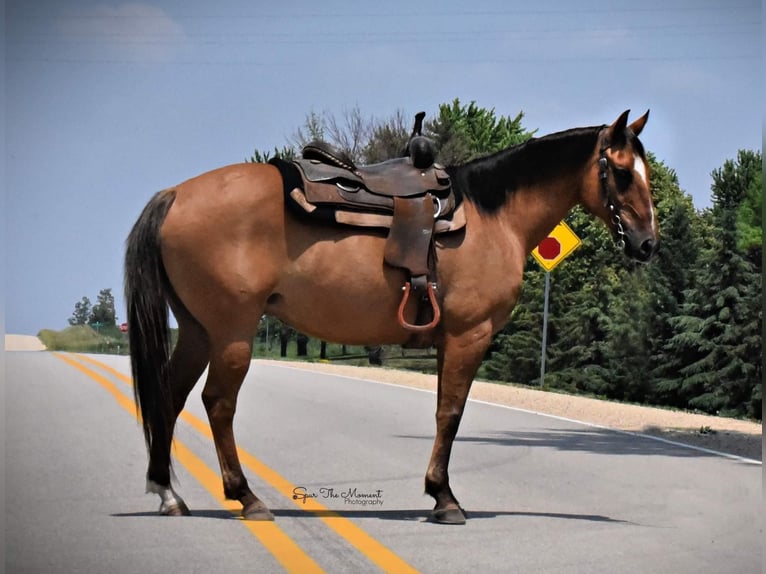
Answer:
(411, 196)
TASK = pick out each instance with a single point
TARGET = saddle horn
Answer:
(420, 148)
(417, 128)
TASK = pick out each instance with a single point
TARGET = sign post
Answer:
(545, 326)
(551, 251)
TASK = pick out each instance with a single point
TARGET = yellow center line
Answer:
(376, 552)
(273, 538)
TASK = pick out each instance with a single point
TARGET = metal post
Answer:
(545, 326)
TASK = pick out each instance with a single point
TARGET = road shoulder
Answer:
(732, 436)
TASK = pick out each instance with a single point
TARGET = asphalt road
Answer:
(542, 495)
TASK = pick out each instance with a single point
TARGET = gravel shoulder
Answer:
(732, 436)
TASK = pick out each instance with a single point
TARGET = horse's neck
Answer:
(532, 212)
(531, 186)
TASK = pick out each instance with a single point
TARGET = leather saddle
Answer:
(410, 196)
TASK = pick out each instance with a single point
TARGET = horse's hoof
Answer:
(176, 509)
(257, 511)
(447, 516)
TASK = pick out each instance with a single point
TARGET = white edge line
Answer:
(531, 412)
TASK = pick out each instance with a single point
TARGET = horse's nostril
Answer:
(647, 247)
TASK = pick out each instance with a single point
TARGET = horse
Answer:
(221, 250)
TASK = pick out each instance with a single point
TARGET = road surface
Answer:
(542, 494)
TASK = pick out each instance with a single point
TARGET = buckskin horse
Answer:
(223, 248)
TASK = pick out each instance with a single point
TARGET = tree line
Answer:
(100, 314)
(683, 331)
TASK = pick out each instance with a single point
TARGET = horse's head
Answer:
(618, 187)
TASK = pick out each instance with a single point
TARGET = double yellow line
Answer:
(274, 539)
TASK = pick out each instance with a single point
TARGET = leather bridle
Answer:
(609, 202)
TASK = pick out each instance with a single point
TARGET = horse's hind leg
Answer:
(229, 363)
(188, 361)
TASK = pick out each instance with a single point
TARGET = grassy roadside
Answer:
(86, 339)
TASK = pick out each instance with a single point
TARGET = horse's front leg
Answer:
(458, 359)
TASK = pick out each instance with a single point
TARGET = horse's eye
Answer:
(623, 178)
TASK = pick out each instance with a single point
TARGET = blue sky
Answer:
(107, 102)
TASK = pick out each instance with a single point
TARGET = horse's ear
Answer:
(639, 124)
(616, 133)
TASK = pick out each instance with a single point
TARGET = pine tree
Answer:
(581, 290)
(670, 276)
(103, 313)
(750, 210)
(717, 334)
(81, 312)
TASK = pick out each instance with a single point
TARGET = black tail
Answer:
(146, 293)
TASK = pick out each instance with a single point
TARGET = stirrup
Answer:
(434, 306)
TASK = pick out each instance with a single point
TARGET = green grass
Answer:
(85, 339)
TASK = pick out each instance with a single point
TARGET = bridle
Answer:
(614, 210)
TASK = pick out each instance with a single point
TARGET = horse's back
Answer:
(226, 195)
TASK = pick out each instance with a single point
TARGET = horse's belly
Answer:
(346, 313)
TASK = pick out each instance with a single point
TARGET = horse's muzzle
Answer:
(641, 247)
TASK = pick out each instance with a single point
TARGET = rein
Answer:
(603, 175)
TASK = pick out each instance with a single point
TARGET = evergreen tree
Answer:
(581, 290)
(669, 276)
(750, 210)
(103, 313)
(718, 331)
(81, 312)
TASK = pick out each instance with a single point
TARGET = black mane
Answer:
(487, 182)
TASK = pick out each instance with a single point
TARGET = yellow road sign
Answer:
(559, 245)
